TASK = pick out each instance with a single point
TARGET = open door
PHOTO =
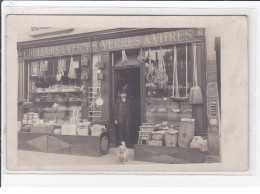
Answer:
(132, 77)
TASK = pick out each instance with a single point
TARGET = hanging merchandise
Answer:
(124, 58)
(95, 102)
(99, 75)
(84, 61)
(72, 72)
(195, 92)
(175, 82)
(100, 66)
(160, 73)
(35, 68)
(60, 71)
(99, 102)
(63, 64)
(42, 78)
(140, 57)
(151, 70)
(84, 74)
(186, 77)
(44, 65)
(175, 88)
(92, 105)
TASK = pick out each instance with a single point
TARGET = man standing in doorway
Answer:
(122, 118)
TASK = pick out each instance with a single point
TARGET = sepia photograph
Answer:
(125, 98)
(145, 95)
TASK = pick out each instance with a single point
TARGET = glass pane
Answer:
(160, 74)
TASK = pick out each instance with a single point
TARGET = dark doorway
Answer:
(130, 76)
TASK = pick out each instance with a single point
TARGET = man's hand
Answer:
(116, 122)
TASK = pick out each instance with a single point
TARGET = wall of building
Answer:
(213, 135)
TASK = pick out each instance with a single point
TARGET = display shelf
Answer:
(52, 102)
(62, 92)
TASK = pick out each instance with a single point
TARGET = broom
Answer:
(195, 92)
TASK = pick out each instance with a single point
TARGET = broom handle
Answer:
(173, 84)
(28, 82)
(194, 66)
(186, 71)
(176, 73)
(177, 82)
(193, 79)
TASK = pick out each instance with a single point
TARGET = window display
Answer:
(167, 100)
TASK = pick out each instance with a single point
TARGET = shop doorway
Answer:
(130, 76)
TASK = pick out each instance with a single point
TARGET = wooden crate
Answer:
(168, 155)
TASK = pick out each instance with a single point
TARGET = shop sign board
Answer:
(149, 40)
(59, 50)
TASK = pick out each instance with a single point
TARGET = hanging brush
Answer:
(195, 92)
(124, 58)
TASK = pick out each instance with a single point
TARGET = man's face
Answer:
(123, 95)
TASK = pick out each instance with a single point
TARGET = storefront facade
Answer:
(102, 70)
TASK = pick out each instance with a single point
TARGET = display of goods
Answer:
(147, 129)
(96, 134)
(165, 123)
(155, 143)
(148, 135)
(158, 136)
(26, 128)
(26, 116)
(57, 131)
(171, 138)
(149, 124)
(97, 128)
(38, 129)
(25, 121)
(57, 115)
(49, 128)
(69, 129)
(72, 129)
(186, 132)
(64, 129)
(82, 131)
(199, 143)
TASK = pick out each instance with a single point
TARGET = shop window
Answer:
(163, 79)
(51, 97)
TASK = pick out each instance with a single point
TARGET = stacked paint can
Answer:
(171, 138)
(186, 132)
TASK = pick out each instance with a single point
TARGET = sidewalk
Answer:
(29, 158)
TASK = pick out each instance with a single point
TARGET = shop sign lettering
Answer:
(111, 44)
(60, 50)
(145, 40)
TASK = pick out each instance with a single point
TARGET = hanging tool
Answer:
(195, 92)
